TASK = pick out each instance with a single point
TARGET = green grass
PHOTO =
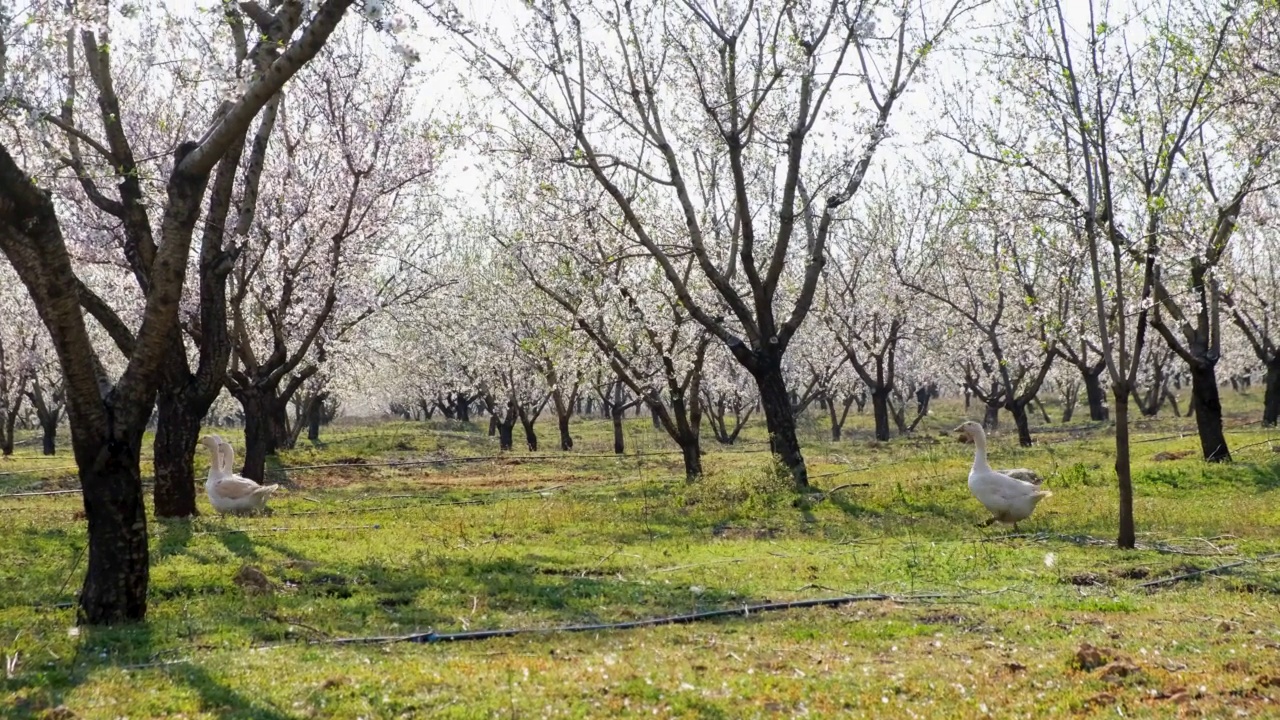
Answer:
(541, 542)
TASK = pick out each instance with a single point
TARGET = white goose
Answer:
(1007, 498)
(230, 493)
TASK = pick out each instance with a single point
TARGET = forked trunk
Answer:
(177, 432)
(880, 410)
(1127, 537)
(1208, 409)
(781, 423)
(115, 584)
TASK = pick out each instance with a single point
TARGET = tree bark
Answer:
(1022, 422)
(530, 435)
(619, 442)
(691, 451)
(1127, 537)
(1271, 395)
(314, 414)
(991, 420)
(177, 432)
(49, 441)
(115, 584)
(566, 440)
(1207, 405)
(259, 437)
(1094, 394)
(880, 410)
(505, 431)
(781, 422)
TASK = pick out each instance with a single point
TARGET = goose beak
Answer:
(959, 429)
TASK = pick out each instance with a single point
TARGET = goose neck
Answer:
(980, 451)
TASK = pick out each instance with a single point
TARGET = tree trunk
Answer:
(278, 412)
(1019, 412)
(259, 438)
(1208, 409)
(505, 432)
(115, 583)
(177, 432)
(991, 420)
(315, 414)
(781, 423)
(530, 437)
(1271, 395)
(566, 440)
(1127, 537)
(691, 451)
(880, 410)
(836, 426)
(493, 424)
(6, 440)
(1094, 394)
(619, 444)
(50, 440)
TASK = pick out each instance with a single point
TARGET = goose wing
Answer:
(236, 487)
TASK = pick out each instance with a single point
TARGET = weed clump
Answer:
(756, 492)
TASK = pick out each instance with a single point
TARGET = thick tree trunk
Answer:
(6, 440)
(781, 423)
(115, 584)
(1271, 395)
(619, 443)
(566, 440)
(278, 413)
(1127, 537)
(991, 420)
(493, 424)
(530, 436)
(177, 432)
(691, 451)
(259, 437)
(505, 432)
(1020, 420)
(314, 415)
(1094, 394)
(880, 410)
(1208, 409)
(49, 442)
(836, 426)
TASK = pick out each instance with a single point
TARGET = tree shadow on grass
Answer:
(128, 647)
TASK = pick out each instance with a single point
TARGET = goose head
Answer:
(968, 431)
(211, 442)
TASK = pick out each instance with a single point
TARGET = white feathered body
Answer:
(230, 493)
(1008, 499)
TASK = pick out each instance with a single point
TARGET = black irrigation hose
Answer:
(432, 636)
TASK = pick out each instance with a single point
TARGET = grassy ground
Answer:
(546, 541)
